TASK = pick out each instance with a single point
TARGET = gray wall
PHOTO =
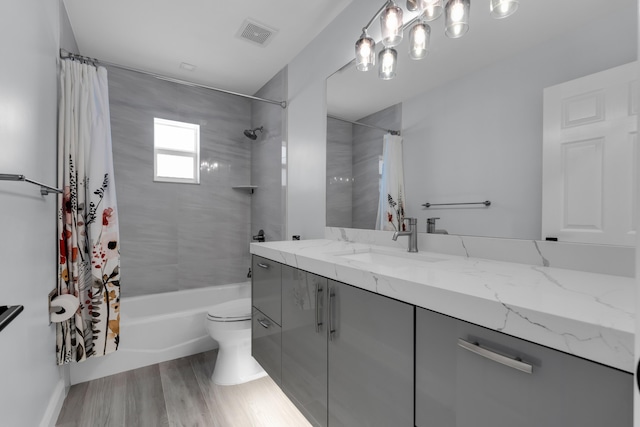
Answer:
(67, 38)
(30, 34)
(267, 202)
(179, 236)
(367, 149)
(480, 137)
(339, 173)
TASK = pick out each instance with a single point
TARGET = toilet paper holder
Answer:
(50, 298)
(61, 307)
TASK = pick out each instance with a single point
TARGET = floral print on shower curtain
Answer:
(89, 265)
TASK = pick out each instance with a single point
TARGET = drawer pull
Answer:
(514, 363)
(263, 265)
(264, 323)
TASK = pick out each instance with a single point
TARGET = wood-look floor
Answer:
(177, 393)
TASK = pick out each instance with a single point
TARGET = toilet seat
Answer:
(231, 311)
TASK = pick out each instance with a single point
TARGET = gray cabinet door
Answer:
(457, 387)
(562, 390)
(370, 359)
(436, 340)
(266, 344)
(304, 343)
(266, 287)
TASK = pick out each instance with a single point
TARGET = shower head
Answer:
(251, 133)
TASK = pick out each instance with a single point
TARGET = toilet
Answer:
(229, 323)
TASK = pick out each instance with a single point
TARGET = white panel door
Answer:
(588, 164)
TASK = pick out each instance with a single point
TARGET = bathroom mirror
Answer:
(470, 113)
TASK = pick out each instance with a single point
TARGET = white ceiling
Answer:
(158, 35)
(353, 94)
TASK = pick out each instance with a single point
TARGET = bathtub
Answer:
(160, 327)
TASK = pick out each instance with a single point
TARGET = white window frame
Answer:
(195, 155)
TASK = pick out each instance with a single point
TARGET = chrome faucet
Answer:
(412, 234)
(431, 227)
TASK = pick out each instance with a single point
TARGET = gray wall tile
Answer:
(367, 149)
(339, 173)
(180, 236)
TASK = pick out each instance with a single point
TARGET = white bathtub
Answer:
(160, 327)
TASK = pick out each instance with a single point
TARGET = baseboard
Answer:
(55, 405)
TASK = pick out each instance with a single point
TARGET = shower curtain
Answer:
(89, 265)
(391, 201)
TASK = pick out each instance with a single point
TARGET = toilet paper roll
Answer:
(63, 307)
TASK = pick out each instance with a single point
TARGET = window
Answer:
(176, 151)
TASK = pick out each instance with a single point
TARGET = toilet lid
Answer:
(238, 309)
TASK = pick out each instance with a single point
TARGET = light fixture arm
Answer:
(377, 14)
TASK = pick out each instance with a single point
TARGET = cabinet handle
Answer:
(514, 363)
(318, 322)
(264, 323)
(263, 265)
(332, 330)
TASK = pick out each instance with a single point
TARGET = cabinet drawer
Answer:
(561, 390)
(266, 288)
(266, 344)
(475, 382)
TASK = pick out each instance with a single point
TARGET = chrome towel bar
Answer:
(8, 313)
(44, 189)
(428, 205)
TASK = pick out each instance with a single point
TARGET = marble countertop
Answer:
(585, 314)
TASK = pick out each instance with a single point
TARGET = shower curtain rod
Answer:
(392, 132)
(68, 55)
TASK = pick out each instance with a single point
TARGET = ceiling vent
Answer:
(256, 33)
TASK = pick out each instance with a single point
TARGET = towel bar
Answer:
(8, 313)
(44, 189)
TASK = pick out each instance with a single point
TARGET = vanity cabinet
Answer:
(459, 383)
(304, 343)
(371, 355)
(266, 281)
(266, 344)
(347, 354)
(266, 296)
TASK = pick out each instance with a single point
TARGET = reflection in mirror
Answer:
(471, 116)
(354, 155)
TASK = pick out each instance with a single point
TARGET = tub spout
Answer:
(259, 237)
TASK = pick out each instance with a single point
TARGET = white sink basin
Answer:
(388, 258)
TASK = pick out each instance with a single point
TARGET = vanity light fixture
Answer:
(419, 37)
(503, 8)
(365, 52)
(392, 28)
(431, 9)
(391, 24)
(456, 18)
(388, 62)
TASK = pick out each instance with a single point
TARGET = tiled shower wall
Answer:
(180, 236)
(339, 173)
(267, 166)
